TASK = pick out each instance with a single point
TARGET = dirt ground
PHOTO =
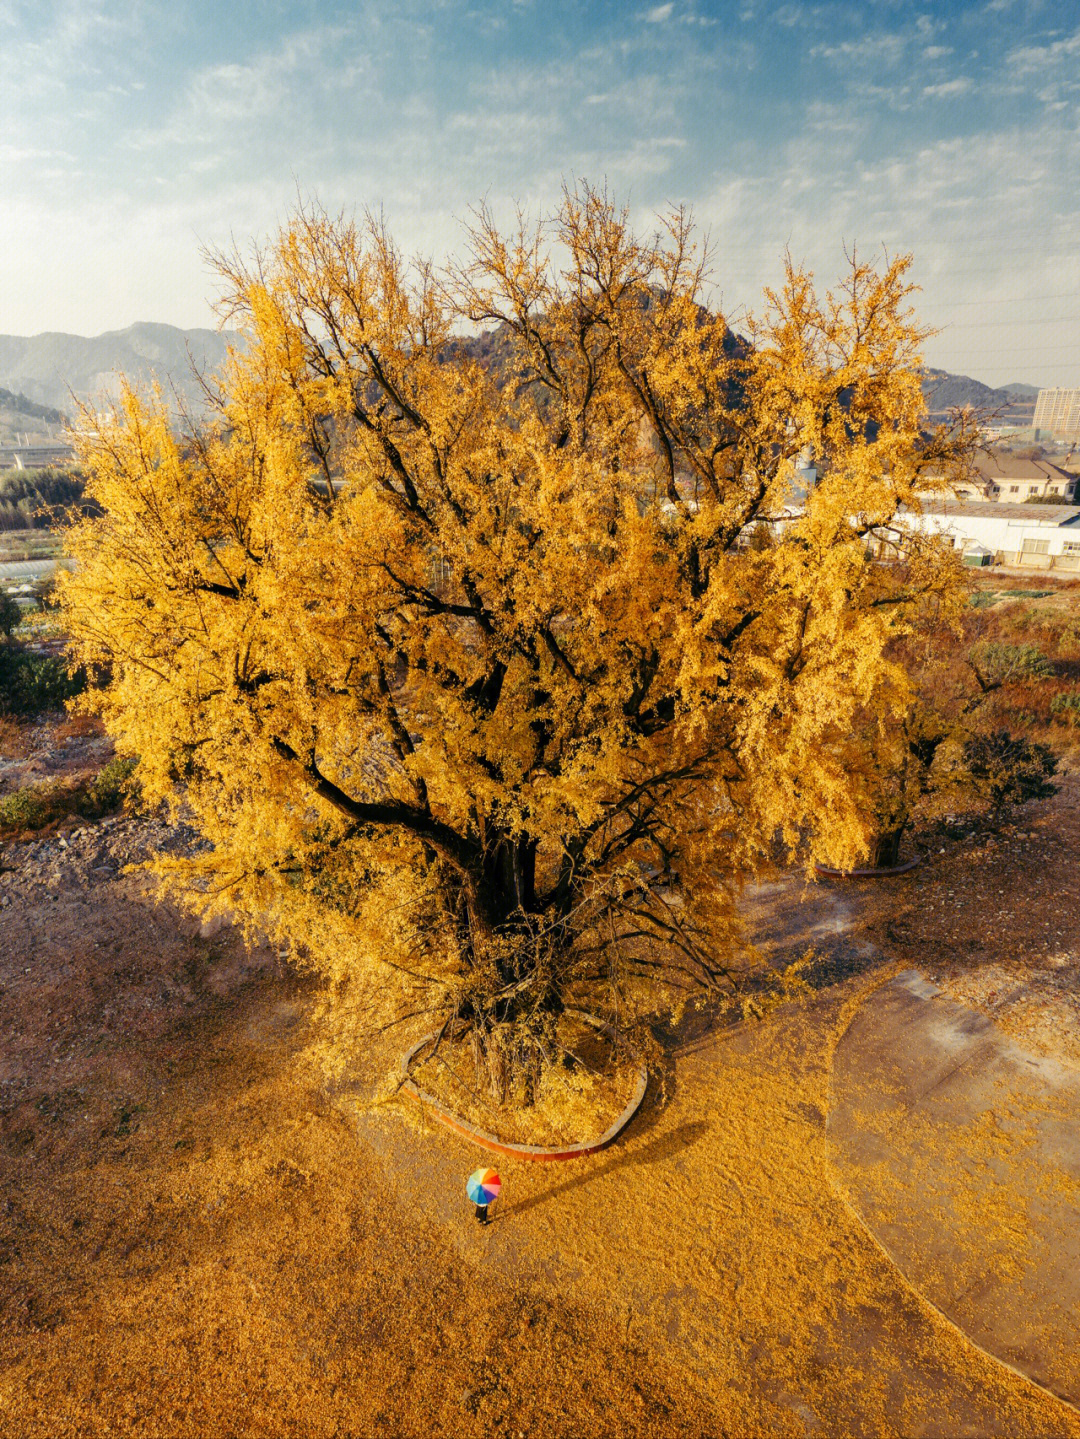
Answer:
(199, 1238)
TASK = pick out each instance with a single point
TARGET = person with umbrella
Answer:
(482, 1187)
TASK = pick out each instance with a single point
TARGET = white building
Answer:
(1010, 479)
(29, 457)
(1043, 537)
(1057, 415)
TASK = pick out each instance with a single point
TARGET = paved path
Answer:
(725, 1227)
(822, 1212)
(960, 1150)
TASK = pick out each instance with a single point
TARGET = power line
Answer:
(1017, 299)
(1021, 350)
(997, 324)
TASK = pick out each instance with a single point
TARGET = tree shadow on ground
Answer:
(664, 1146)
(822, 926)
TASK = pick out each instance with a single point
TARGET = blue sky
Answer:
(134, 132)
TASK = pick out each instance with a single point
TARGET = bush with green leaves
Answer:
(40, 804)
(1000, 663)
(1065, 708)
(10, 614)
(113, 786)
(32, 683)
(33, 807)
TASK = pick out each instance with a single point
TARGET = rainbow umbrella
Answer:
(482, 1186)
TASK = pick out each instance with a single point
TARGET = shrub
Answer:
(1006, 770)
(31, 683)
(112, 786)
(10, 614)
(1065, 708)
(35, 806)
(40, 804)
(1001, 663)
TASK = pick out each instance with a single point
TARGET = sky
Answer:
(136, 133)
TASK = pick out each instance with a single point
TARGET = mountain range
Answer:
(46, 369)
(41, 372)
(945, 392)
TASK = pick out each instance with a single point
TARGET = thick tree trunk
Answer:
(509, 882)
(886, 852)
(512, 1023)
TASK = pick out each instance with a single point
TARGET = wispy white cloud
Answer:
(965, 206)
(831, 117)
(1034, 56)
(18, 154)
(423, 105)
(253, 90)
(1036, 59)
(949, 89)
(878, 49)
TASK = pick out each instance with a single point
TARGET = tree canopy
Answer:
(467, 673)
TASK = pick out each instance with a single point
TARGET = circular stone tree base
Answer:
(535, 1153)
(886, 872)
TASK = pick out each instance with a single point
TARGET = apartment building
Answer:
(1057, 415)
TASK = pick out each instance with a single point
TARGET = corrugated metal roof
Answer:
(988, 509)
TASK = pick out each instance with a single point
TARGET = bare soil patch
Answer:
(992, 918)
(53, 747)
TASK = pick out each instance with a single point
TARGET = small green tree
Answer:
(996, 664)
(10, 614)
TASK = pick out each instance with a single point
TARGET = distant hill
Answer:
(43, 368)
(20, 405)
(38, 371)
(24, 422)
(944, 392)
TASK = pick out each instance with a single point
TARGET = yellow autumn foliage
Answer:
(464, 669)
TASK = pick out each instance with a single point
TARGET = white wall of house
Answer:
(1050, 543)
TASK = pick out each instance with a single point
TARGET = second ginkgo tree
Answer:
(460, 660)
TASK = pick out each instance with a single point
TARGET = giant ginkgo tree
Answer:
(457, 654)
